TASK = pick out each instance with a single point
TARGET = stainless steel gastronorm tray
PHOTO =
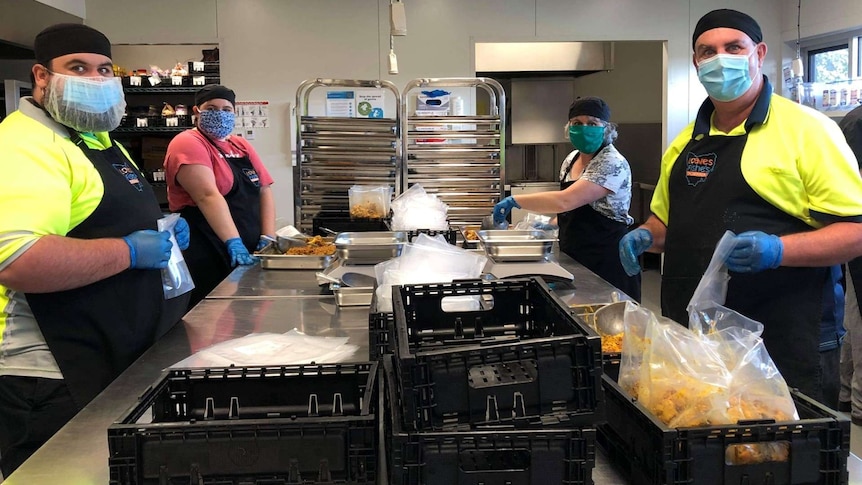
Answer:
(505, 245)
(369, 247)
(352, 295)
(469, 243)
(271, 258)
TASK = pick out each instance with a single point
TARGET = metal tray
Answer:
(352, 295)
(369, 247)
(290, 261)
(272, 258)
(516, 245)
(469, 243)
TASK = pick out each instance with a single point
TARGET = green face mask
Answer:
(587, 138)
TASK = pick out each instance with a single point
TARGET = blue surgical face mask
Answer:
(587, 138)
(216, 123)
(86, 104)
(725, 76)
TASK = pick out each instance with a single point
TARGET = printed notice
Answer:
(341, 103)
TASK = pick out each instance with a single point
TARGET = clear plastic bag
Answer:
(176, 279)
(539, 222)
(715, 372)
(416, 209)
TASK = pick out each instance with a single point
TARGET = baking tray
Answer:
(352, 295)
(505, 245)
(369, 247)
(272, 258)
(469, 243)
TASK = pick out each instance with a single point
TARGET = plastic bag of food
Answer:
(715, 372)
(539, 222)
(176, 279)
(416, 209)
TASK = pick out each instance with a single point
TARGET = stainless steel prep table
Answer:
(249, 300)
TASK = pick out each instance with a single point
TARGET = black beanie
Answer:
(731, 19)
(214, 91)
(62, 39)
(590, 106)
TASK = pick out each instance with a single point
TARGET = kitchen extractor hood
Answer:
(542, 59)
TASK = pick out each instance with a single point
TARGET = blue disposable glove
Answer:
(149, 249)
(503, 208)
(263, 242)
(755, 251)
(238, 253)
(632, 245)
(181, 232)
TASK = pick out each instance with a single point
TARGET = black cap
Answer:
(732, 19)
(590, 106)
(62, 39)
(214, 91)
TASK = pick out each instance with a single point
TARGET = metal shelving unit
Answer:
(465, 168)
(334, 153)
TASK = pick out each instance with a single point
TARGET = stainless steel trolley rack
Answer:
(467, 169)
(334, 153)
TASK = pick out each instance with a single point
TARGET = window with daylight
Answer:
(829, 64)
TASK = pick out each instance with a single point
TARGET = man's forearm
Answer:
(834, 244)
(56, 263)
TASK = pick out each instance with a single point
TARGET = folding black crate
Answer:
(379, 328)
(482, 457)
(451, 235)
(650, 452)
(303, 424)
(521, 359)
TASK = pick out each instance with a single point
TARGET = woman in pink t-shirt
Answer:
(221, 187)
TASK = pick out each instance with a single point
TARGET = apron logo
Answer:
(130, 175)
(698, 167)
(252, 176)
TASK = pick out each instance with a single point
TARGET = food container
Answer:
(352, 295)
(470, 230)
(272, 258)
(369, 202)
(503, 246)
(369, 247)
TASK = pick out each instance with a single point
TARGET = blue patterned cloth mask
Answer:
(216, 123)
(725, 76)
(587, 138)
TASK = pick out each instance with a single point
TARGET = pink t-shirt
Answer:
(190, 147)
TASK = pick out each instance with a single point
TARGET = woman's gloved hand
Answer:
(181, 232)
(632, 245)
(149, 249)
(264, 241)
(503, 208)
(238, 253)
(755, 251)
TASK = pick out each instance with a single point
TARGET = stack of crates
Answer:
(301, 424)
(490, 382)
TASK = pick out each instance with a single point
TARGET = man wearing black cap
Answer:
(595, 195)
(777, 174)
(81, 293)
(220, 185)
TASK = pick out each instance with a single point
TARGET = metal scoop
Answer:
(488, 224)
(610, 318)
(358, 280)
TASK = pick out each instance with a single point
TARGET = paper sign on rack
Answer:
(341, 104)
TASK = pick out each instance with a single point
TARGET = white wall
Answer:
(268, 47)
(21, 20)
(77, 8)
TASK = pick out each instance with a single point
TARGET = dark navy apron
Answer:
(207, 257)
(708, 195)
(96, 331)
(593, 239)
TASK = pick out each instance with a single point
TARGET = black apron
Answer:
(96, 331)
(593, 240)
(708, 195)
(207, 257)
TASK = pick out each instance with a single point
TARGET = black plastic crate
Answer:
(611, 364)
(451, 235)
(310, 424)
(209, 68)
(649, 452)
(522, 359)
(482, 457)
(379, 328)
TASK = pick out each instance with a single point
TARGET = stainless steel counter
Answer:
(249, 300)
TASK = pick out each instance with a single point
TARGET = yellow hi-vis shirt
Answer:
(797, 160)
(47, 186)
